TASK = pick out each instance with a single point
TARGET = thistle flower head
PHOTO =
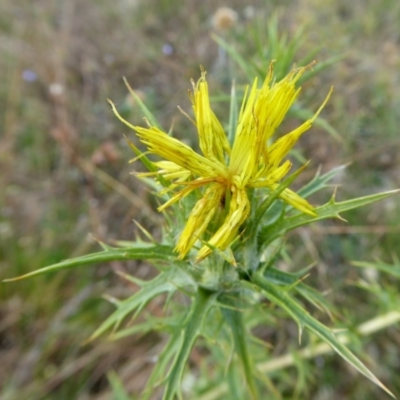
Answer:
(225, 173)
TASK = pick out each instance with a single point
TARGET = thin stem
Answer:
(191, 327)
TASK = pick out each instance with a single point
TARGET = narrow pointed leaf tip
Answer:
(227, 167)
(152, 252)
(332, 209)
(288, 303)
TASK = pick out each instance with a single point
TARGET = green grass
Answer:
(49, 201)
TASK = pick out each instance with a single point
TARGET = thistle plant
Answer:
(228, 208)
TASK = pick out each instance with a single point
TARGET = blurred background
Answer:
(64, 173)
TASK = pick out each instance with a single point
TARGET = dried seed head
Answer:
(224, 19)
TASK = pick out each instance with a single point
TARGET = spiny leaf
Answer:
(315, 349)
(145, 252)
(283, 299)
(277, 277)
(168, 281)
(332, 209)
(319, 182)
(152, 324)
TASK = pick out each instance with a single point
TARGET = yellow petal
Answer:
(245, 139)
(238, 212)
(176, 197)
(283, 145)
(174, 150)
(212, 138)
(297, 202)
(199, 218)
(171, 171)
(274, 176)
(263, 112)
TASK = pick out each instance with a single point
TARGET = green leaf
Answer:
(190, 330)
(152, 324)
(369, 327)
(319, 182)
(277, 295)
(391, 269)
(164, 358)
(306, 114)
(332, 209)
(117, 386)
(168, 281)
(252, 225)
(280, 48)
(148, 114)
(240, 338)
(144, 252)
(233, 379)
(243, 64)
(320, 67)
(277, 277)
(308, 58)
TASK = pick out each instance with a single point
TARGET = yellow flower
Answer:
(227, 173)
